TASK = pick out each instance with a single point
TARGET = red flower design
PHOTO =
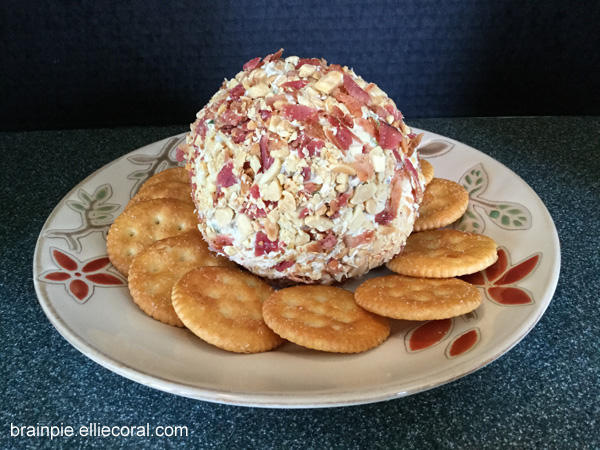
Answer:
(80, 278)
(427, 335)
(500, 279)
(462, 343)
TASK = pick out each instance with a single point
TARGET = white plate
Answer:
(87, 301)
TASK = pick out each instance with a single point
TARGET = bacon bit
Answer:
(298, 112)
(333, 265)
(306, 173)
(396, 154)
(417, 188)
(201, 128)
(343, 138)
(364, 168)
(389, 137)
(237, 92)
(380, 111)
(314, 146)
(252, 64)
(284, 265)
(254, 191)
(343, 199)
(274, 56)
(225, 177)
(271, 100)
(355, 241)
(311, 187)
(346, 119)
(221, 241)
(179, 154)
(263, 245)
(312, 61)
(294, 85)
(393, 111)
(367, 125)
(264, 114)
(356, 91)
(314, 129)
(386, 216)
(328, 242)
(353, 105)
(228, 118)
(413, 144)
(305, 212)
(335, 67)
(265, 156)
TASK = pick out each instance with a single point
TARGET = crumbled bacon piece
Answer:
(221, 241)
(306, 173)
(389, 137)
(334, 266)
(313, 61)
(343, 137)
(237, 92)
(298, 112)
(294, 85)
(344, 118)
(386, 216)
(274, 56)
(265, 156)
(254, 191)
(283, 265)
(367, 125)
(311, 187)
(265, 114)
(356, 91)
(225, 177)
(364, 238)
(228, 118)
(305, 212)
(353, 104)
(328, 242)
(263, 245)
(391, 109)
(252, 64)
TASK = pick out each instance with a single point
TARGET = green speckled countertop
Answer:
(544, 393)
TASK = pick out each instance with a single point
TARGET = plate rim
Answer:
(276, 400)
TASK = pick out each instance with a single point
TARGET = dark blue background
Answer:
(74, 64)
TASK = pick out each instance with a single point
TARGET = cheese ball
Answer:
(303, 172)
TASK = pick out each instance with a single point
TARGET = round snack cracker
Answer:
(427, 169)
(173, 174)
(165, 189)
(155, 270)
(444, 202)
(444, 254)
(324, 318)
(224, 308)
(409, 298)
(144, 223)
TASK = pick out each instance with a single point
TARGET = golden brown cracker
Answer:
(144, 223)
(165, 189)
(444, 202)
(154, 271)
(173, 174)
(427, 169)
(444, 254)
(224, 308)
(408, 298)
(324, 318)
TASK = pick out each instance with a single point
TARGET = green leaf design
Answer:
(84, 196)
(137, 175)
(471, 220)
(510, 216)
(103, 192)
(142, 159)
(76, 206)
(474, 180)
(109, 207)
